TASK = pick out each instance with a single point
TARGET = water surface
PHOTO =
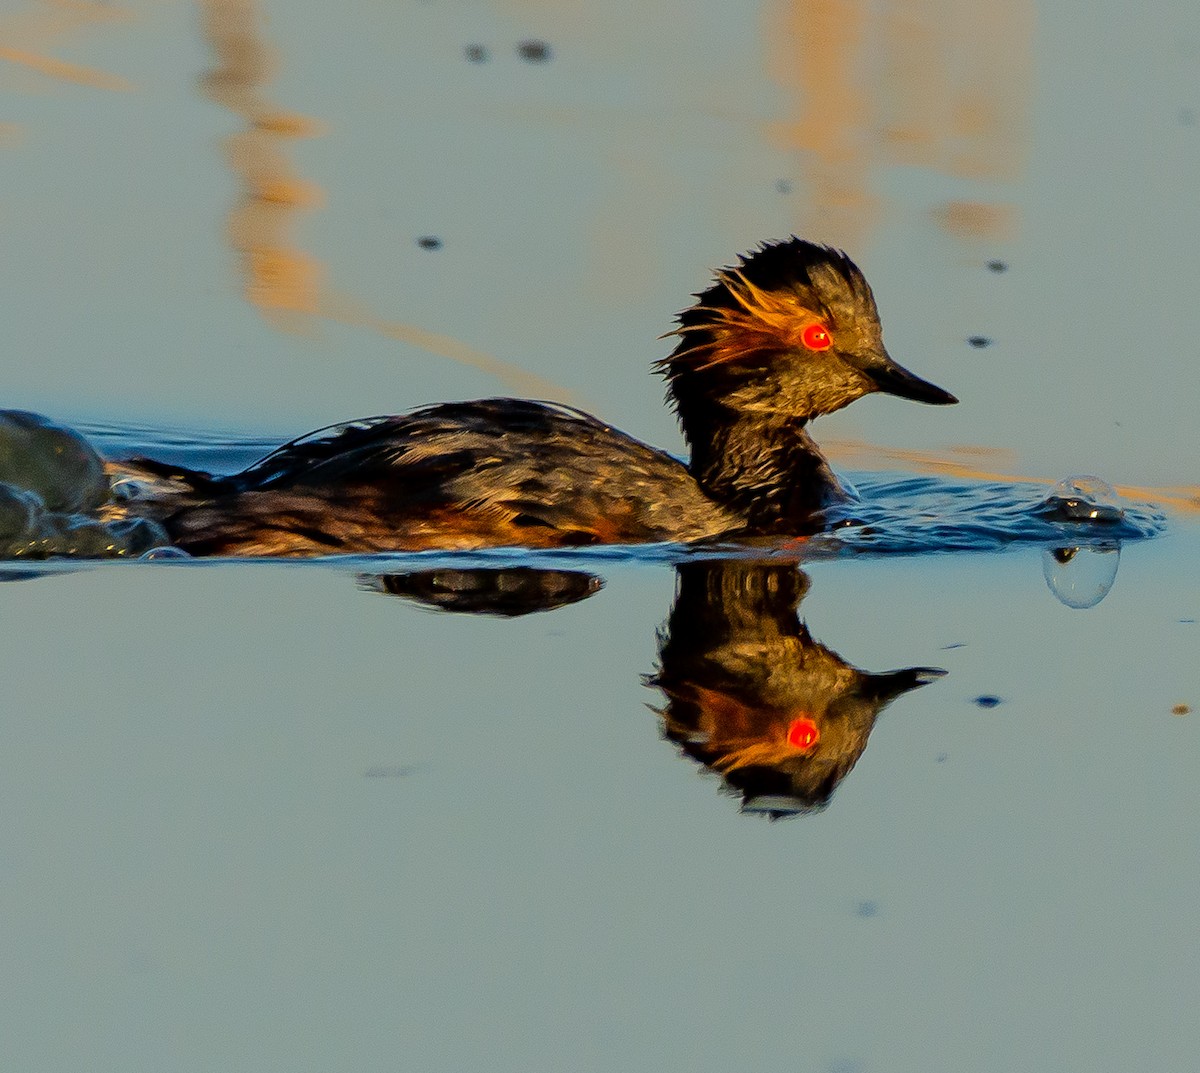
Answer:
(279, 817)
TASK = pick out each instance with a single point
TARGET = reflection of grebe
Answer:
(790, 333)
(752, 696)
(749, 693)
(506, 592)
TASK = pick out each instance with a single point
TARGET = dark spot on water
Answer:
(476, 54)
(139, 962)
(979, 341)
(392, 771)
(783, 186)
(534, 51)
(866, 909)
(957, 644)
(1181, 709)
(429, 242)
(1187, 117)
(997, 266)
(987, 700)
(846, 1065)
(1188, 621)
(941, 758)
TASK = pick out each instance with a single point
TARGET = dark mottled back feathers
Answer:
(472, 474)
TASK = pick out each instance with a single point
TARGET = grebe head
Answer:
(791, 331)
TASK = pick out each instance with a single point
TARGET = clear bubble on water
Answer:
(1081, 577)
(20, 513)
(136, 536)
(1083, 499)
(167, 552)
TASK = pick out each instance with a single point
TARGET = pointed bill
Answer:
(896, 380)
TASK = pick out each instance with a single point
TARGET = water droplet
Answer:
(1081, 577)
(1083, 499)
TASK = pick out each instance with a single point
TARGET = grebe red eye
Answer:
(803, 734)
(816, 337)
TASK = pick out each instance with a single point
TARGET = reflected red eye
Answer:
(816, 337)
(803, 733)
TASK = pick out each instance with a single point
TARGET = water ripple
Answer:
(899, 514)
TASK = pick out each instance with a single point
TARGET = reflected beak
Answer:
(886, 687)
(896, 380)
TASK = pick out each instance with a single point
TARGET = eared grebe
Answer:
(789, 333)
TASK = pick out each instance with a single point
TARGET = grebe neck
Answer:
(765, 467)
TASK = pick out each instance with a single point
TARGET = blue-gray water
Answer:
(259, 818)
(276, 817)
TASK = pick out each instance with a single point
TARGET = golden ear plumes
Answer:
(762, 321)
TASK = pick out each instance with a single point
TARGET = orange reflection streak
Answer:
(284, 282)
(939, 84)
(346, 310)
(281, 280)
(975, 220)
(811, 49)
(65, 72)
(27, 34)
(964, 462)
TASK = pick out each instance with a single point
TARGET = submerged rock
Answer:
(52, 483)
(52, 461)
